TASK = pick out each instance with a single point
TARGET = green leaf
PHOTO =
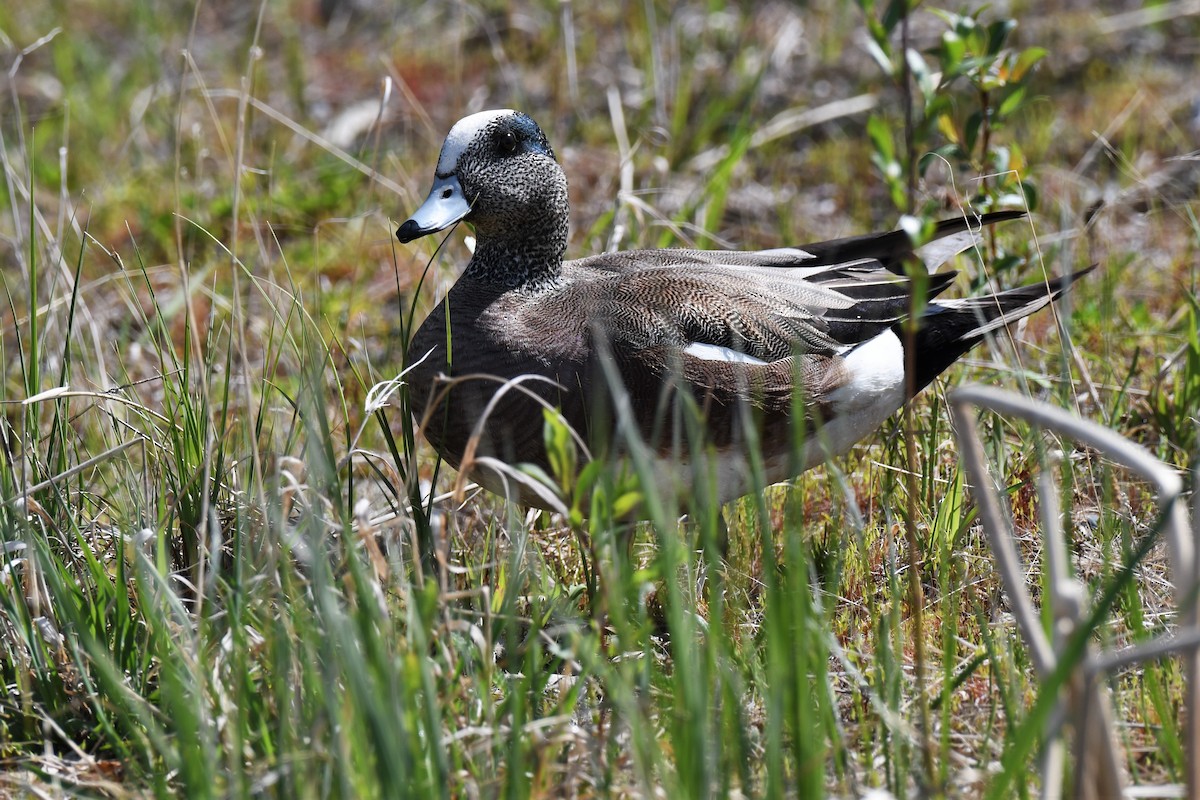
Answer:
(882, 58)
(939, 106)
(951, 52)
(971, 131)
(965, 25)
(1012, 102)
(1029, 189)
(582, 490)
(999, 158)
(998, 33)
(896, 11)
(945, 153)
(920, 73)
(539, 475)
(625, 503)
(946, 127)
(881, 138)
(1025, 62)
(560, 449)
(950, 518)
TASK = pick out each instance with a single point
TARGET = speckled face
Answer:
(505, 166)
(498, 172)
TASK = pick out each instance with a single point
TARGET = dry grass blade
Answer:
(316, 139)
(83, 466)
(789, 123)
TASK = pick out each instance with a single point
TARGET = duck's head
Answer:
(498, 172)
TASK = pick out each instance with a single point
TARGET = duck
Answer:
(773, 348)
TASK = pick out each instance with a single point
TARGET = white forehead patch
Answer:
(461, 136)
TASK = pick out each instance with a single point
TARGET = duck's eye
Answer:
(506, 143)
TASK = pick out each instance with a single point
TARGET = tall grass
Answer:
(230, 569)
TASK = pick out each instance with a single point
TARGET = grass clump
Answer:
(229, 567)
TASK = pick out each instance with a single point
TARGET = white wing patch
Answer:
(461, 136)
(873, 393)
(876, 370)
(713, 352)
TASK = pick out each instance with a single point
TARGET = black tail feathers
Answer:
(950, 328)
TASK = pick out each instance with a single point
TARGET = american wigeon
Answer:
(758, 332)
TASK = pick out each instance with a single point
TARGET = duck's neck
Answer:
(527, 256)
